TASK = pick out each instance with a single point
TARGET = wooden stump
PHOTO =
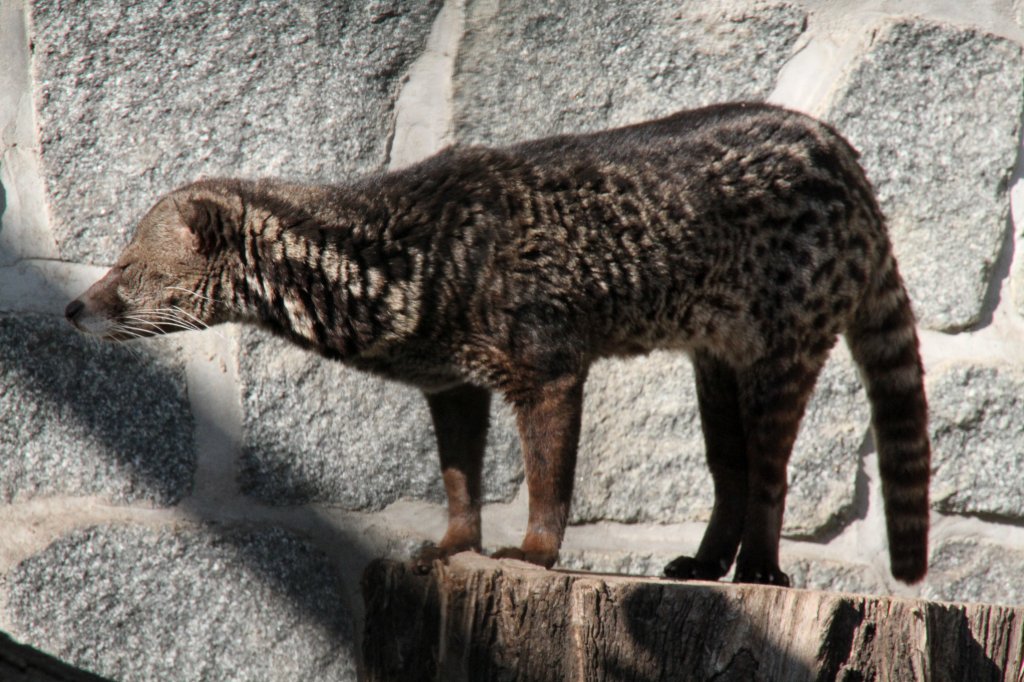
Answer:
(479, 619)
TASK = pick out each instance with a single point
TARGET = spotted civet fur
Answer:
(744, 235)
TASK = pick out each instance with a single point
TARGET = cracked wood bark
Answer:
(478, 619)
(22, 663)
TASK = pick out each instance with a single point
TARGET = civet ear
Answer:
(205, 223)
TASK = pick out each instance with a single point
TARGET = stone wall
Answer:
(201, 506)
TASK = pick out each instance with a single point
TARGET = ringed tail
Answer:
(883, 342)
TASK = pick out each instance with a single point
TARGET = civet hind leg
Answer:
(726, 451)
(773, 395)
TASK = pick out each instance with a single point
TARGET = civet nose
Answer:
(73, 309)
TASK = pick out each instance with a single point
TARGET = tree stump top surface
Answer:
(481, 619)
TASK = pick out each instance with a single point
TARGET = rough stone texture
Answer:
(43, 286)
(823, 471)
(973, 570)
(833, 576)
(531, 68)
(618, 563)
(815, 574)
(84, 418)
(642, 451)
(196, 604)
(135, 99)
(977, 439)
(935, 110)
(317, 431)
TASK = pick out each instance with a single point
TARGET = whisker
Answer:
(147, 318)
(139, 332)
(154, 328)
(166, 322)
(196, 294)
(156, 312)
(152, 321)
(203, 297)
(129, 348)
(153, 311)
(134, 352)
(190, 316)
(163, 317)
(155, 318)
(200, 323)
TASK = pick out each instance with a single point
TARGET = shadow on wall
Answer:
(3, 193)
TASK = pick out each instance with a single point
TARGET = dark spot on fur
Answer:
(824, 271)
(804, 222)
(856, 272)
